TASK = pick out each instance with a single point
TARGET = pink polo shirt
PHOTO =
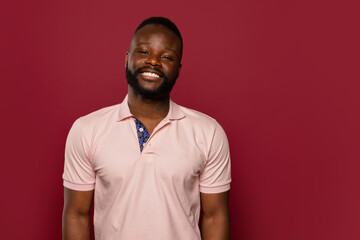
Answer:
(153, 194)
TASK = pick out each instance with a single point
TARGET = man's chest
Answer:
(169, 155)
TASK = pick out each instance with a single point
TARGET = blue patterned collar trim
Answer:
(142, 132)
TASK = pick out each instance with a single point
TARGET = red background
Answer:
(282, 77)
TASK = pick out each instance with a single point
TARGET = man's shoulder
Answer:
(202, 124)
(196, 114)
(100, 116)
(196, 117)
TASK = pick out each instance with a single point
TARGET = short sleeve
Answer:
(78, 171)
(216, 176)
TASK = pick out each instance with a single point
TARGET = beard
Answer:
(161, 92)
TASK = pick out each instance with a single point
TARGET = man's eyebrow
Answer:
(172, 50)
(147, 43)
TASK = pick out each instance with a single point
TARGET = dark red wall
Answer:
(282, 77)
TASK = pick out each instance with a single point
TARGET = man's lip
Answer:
(151, 71)
(150, 77)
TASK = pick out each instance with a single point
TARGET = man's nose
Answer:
(153, 60)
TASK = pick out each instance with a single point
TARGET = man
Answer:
(147, 162)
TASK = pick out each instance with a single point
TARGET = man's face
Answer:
(153, 61)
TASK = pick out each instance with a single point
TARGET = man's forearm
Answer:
(216, 228)
(76, 227)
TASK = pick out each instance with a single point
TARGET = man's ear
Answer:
(126, 58)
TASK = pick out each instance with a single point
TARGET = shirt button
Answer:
(141, 129)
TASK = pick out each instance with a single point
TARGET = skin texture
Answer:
(76, 214)
(215, 221)
(154, 48)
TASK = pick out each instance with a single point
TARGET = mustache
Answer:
(153, 69)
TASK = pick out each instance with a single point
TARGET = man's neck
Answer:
(149, 109)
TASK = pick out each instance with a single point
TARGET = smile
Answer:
(150, 74)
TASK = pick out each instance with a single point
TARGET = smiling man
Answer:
(150, 165)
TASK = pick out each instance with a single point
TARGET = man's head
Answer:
(153, 62)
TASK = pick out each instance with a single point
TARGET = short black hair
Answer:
(163, 21)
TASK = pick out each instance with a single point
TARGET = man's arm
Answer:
(76, 214)
(215, 219)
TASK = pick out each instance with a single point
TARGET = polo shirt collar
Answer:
(124, 111)
(175, 112)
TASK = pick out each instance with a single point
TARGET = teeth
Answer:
(150, 74)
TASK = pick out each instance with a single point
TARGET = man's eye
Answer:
(167, 58)
(143, 52)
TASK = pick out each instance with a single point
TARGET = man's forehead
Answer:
(153, 30)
